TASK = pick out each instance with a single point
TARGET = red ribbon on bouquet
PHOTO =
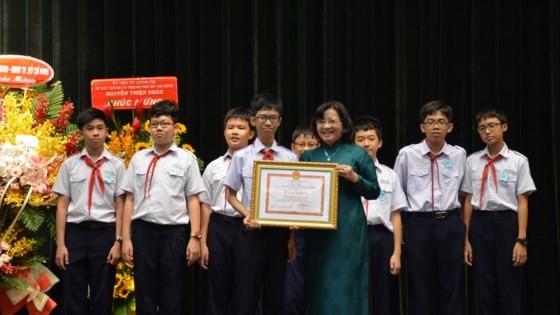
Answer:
(39, 279)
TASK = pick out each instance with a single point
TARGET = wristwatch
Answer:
(523, 241)
(197, 234)
(118, 239)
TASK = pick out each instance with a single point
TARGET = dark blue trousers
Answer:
(384, 286)
(262, 262)
(434, 253)
(159, 266)
(295, 289)
(223, 263)
(497, 283)
(88, 249)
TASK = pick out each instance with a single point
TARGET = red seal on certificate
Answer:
(295, 175)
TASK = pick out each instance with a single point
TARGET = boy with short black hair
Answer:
(221, 224)
(88, 219)
(430, 173)
(262, 253)
(383, 221)
(303, 139)
(162, 185)
(497, 185)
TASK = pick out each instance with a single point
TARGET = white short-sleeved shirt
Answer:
(391, 198)
(215, 194)
(240, 174)
(513, 179)
(176, 177)
(414, 171)
(73, 181)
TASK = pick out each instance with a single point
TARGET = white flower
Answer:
(27, 141)
(4, 259)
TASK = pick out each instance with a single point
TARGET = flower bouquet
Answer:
(35, 137)
(123, 291)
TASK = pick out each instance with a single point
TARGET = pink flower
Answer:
(36, 175)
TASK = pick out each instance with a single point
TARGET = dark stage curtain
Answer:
(384, 58)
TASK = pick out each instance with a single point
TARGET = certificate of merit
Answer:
(295, 194)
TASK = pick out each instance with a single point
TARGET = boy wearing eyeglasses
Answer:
(162, 184)
(221, 224)
(430, 173)
(303, 139)
(497, 185)
(384, 225)
(262, 253)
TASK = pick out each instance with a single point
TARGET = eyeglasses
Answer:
(331, 122)
(164, 124)
(272, 118)
(311, 145)
(433, 123)
(491, 127)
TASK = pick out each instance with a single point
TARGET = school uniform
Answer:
(262, 253)
(434, 233)
(494, 226)
(160, 231)
(222, 237)
(384, 293)
(90, 230)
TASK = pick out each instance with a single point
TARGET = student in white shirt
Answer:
(263, 253)
(88, 219)
(383, 222)
(497, 185)
(221, 224)
(430, 173)
(162, 185)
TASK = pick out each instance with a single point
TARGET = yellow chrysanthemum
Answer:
(188, 147)
(147, 125)
(118, 280)
(123, 292)
(181, 129)
(141, 146)
(129, 284)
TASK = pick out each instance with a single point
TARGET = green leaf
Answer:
(16, 283)
(70, 128)
(32, 218)
(120, 309)
(56, 98)
(50, 221)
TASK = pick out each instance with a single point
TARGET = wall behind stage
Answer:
(385, 58)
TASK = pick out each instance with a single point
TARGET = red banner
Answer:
(125, 93)
(24, 71)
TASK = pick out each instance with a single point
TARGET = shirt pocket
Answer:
(78, 184)
(419, 178)
(507, 178)
(140, 179)
(175, 177)
(385, 195)
(450, 179)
